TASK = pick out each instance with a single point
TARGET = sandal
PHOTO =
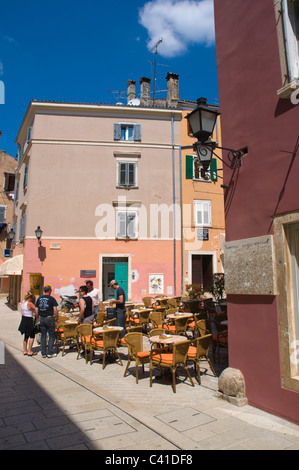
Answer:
(33, 354)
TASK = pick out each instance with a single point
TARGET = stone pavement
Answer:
(63, 403)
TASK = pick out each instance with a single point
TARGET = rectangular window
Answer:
(195, 171)
(9, 182)
(126, 174)
(202, 213)
(126, 224)
(127, 132)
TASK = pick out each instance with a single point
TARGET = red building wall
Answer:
(253, 116)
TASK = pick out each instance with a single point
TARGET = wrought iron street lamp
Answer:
(11, 235)
(202, 121)
(38, 234)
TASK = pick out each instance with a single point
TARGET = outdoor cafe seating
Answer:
(176, 338)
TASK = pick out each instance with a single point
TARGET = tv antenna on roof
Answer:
(121, 95)
(155, 64)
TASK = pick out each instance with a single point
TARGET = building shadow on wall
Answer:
(42, 253)
(30, 419)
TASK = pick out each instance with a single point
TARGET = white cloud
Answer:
(180, 23)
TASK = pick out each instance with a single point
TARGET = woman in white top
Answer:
(26, 327)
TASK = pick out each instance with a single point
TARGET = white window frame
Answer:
(204, 209)
(125, 128)
(126, 184)
(290, 10)
(122, 216)
(199, 165)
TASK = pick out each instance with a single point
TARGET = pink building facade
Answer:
(258, 67)
(103, 184)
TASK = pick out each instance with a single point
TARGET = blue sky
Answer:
(73, 50)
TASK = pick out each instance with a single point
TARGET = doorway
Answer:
(202, 270)
(114, 268)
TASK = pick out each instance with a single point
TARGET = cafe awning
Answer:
(12, 267)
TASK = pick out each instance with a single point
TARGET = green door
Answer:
(121, 275)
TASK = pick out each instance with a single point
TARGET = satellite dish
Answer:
(134, 102)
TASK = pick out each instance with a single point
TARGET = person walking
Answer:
(46, 310)
(120, 310)
(95, 295)
(86, 307)
(27, 327)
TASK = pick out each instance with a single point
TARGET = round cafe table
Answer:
(103, 329)
(175, 316)
(167, 339)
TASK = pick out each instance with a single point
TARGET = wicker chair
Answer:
(200, 348)
(100, 319)
(135, 352)
(84, 334)
(171, 360)
(107, 343)
(68, 335)
(220, 339)
(156, 319)
(173, 303)
(147, 302)
(179, 327)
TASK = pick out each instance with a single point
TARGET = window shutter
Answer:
(131, 174)
(137, 132)
(189, 167)
(25, 177)
(121, 225)
(117, 131)
(29, 131)
(213, 170)
(2, 214)
(122, 174)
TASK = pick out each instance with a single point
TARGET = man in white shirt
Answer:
(95, 295)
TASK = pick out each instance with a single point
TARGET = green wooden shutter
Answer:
(189, 167)
(213, 170)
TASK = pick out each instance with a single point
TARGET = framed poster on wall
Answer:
(156, 284)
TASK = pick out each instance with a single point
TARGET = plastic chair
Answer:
(171, 360)
(135, 352)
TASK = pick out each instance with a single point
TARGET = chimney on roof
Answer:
(145, 89)
(172, 89)
(131, 90)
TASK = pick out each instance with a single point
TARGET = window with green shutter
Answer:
(213, 170)
(189, 167)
